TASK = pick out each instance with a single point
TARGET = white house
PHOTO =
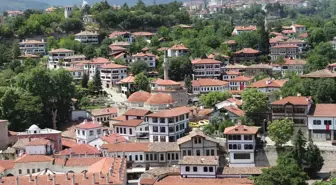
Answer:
(87, 37)
(322, 122)
(243, 29)
(33, 47)
(240, 141)
(40, 146)
(104, 114)
(233, 112)
(199, 166)
(284, 50)
(230, 74)
(149, 58)
(147, 36)
(94, 64)
(88, 131)
(205, 85)
(130, 129)
(178, 50)
(127, 36)
(112, 73)
(239, 83)
(268, 85)
(206, 68)
(168, 125)
(109, 139)
(77, 73)
(293, 65)
(56, 57)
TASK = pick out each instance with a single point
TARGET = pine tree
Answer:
(85, 80)
(97, 84)
(299, 149)
(15, 50)
(314, 159)
(188, 84)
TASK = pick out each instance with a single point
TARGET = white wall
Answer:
(311, 126)
(36, 149)
(200, 171)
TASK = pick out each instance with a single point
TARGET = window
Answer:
(211, 169)
(20, 171)
(140, 157)
(151, 157)
(205, 169)
(177, 156)
(187, 169)
(171, 129)
(162, 138)
(130, 131)
(212, 152)
(124, 130)
(189, 152)
(184, 153)
(177, 128)
(234, 137)
(316, 122)
(28, 171)
(155, 138)
(241, 156)
(161, 157)
(173, 156)
(198, 152)
(248, 146)
(195, 168)
(83, 132)
(147, 157)
(78, 132)
(207, 152)
(247, 137)
(155, 129)
(136, 157)
(163, 129)
(162, 120)
(91, 133)
(168, 156)
(38, 169)
(98, 131)
(155, 120)
(130, 157)
(327, 122)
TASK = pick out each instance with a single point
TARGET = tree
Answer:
(141, 82)
(188, 84)
(139, 66)
(84, 102)
(179, 68)
(255, 102)
(331, 181)
(314, 159)
(263, 38)
(15, 50)
(299, 149)
(97, 83)
(52, 43)
(213, 97)
(280, 131)
(316, 35)
(89, 51)
(85, 80)
(282, 174)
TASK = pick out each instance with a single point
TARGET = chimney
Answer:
(85, 121)
(73, 179)
(299, 94)
(35, 179)
(30, 178)
(70, 149)
(16, 180)
(84, 175)
(67, 176)
(93, 178)
(49, 177)
(85, 154)
(108, 178)
(54, 179)
(100, 175)
(268, 82)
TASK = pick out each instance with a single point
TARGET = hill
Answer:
(22, 5)
(111, 2)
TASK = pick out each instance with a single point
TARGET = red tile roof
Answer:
(161, 82)
(323, 73)
(303, 35)
(61, 50)
(288, 31)
(113, 66)
(116, 48)
(113, 138)
(104, 165)
(118, 33)
(104, 111)
(126, 147)
(137, 112)
(235, 110)
(144, 55)
(120, 44)
(179, 47)
(295, 100)
(119, 118)
(38, 142)
(129, 123)
(163, 49)
(160, 99)
(285, 46)
(289, 61)
(73, 69)
(230, 42)
(171, 112)
(240, 79)
(323, 110)
(299, 26)
(208, 82)
(232, 72)
(6, 164)
(241, 129)
(80, 150)
(247, 51)
(74, 161)
(213, 55)
(69, 142)
(205, 61)
(264, 83)
(142, 34)
(89, 125)
(100, 60)
(138, 97)
(236, 101)
(129, 79)
(33, 158)
(246, 28)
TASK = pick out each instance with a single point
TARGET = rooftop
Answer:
(137, 112)
(294, 100)
(246, 28)
(113, 138)
(142, 34)
(80, 149)
(118, 33)
(144, 55)
(139, 97)
(61, 50)
(33, 158)
(83, 33)
(129, 123)
(104, 111)
(38, 142)
(171, 112)
(291, 61)
(266, 83)
(160, 99)
(235, 66)
(240, 79)
(323, 110)
(247, 51)
(179, 47)
(89, 125)
(162, 82)
(241, 129)
(242, 170)
(205, 61)
(236, 101)
(323, 73)
(195, 134)
(163, 147)
(126, 147)
(235, 110)
(199, 160)
(178, 180)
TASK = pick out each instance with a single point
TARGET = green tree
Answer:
(331, 181)
(280, 131)
(188, 84)
(179, 68)
(141, 82)
(84, 103)
(213, 97)
(52, 43)
(139, 66)
(85, 80)
(255, 102)
(89, 51)
(299, 148)
(97, 83)
(15, 50)
(314, 159)
(281, 174)
(316, 36)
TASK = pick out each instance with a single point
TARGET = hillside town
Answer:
(200, 92)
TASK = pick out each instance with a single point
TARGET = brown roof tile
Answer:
(247, 51)
(61, 50)
(246, 28)
(33, 158)
(199, 160)
(324, 73)
(126, 147)
(264, 83)
(113, 66)
(236, 101)
(80, 150)
(241, 129)
(38, 142)
(104, 111)
(129, 79)
(69, 142)
(171, 112)
(235, 110)
(242, 170)
(160, 99)
(162, 82)
(240, 79)
(129, 123)
(195, 134)
(323, 110)
(89, 125)
(178, 180)
(139, 97)
(290, 61)
(163, 147)
(295, 100)
(205, 61)
(208, 82)
(137, 112)
(113, 138)
(179, 47)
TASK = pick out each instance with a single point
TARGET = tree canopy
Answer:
(280, 131)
